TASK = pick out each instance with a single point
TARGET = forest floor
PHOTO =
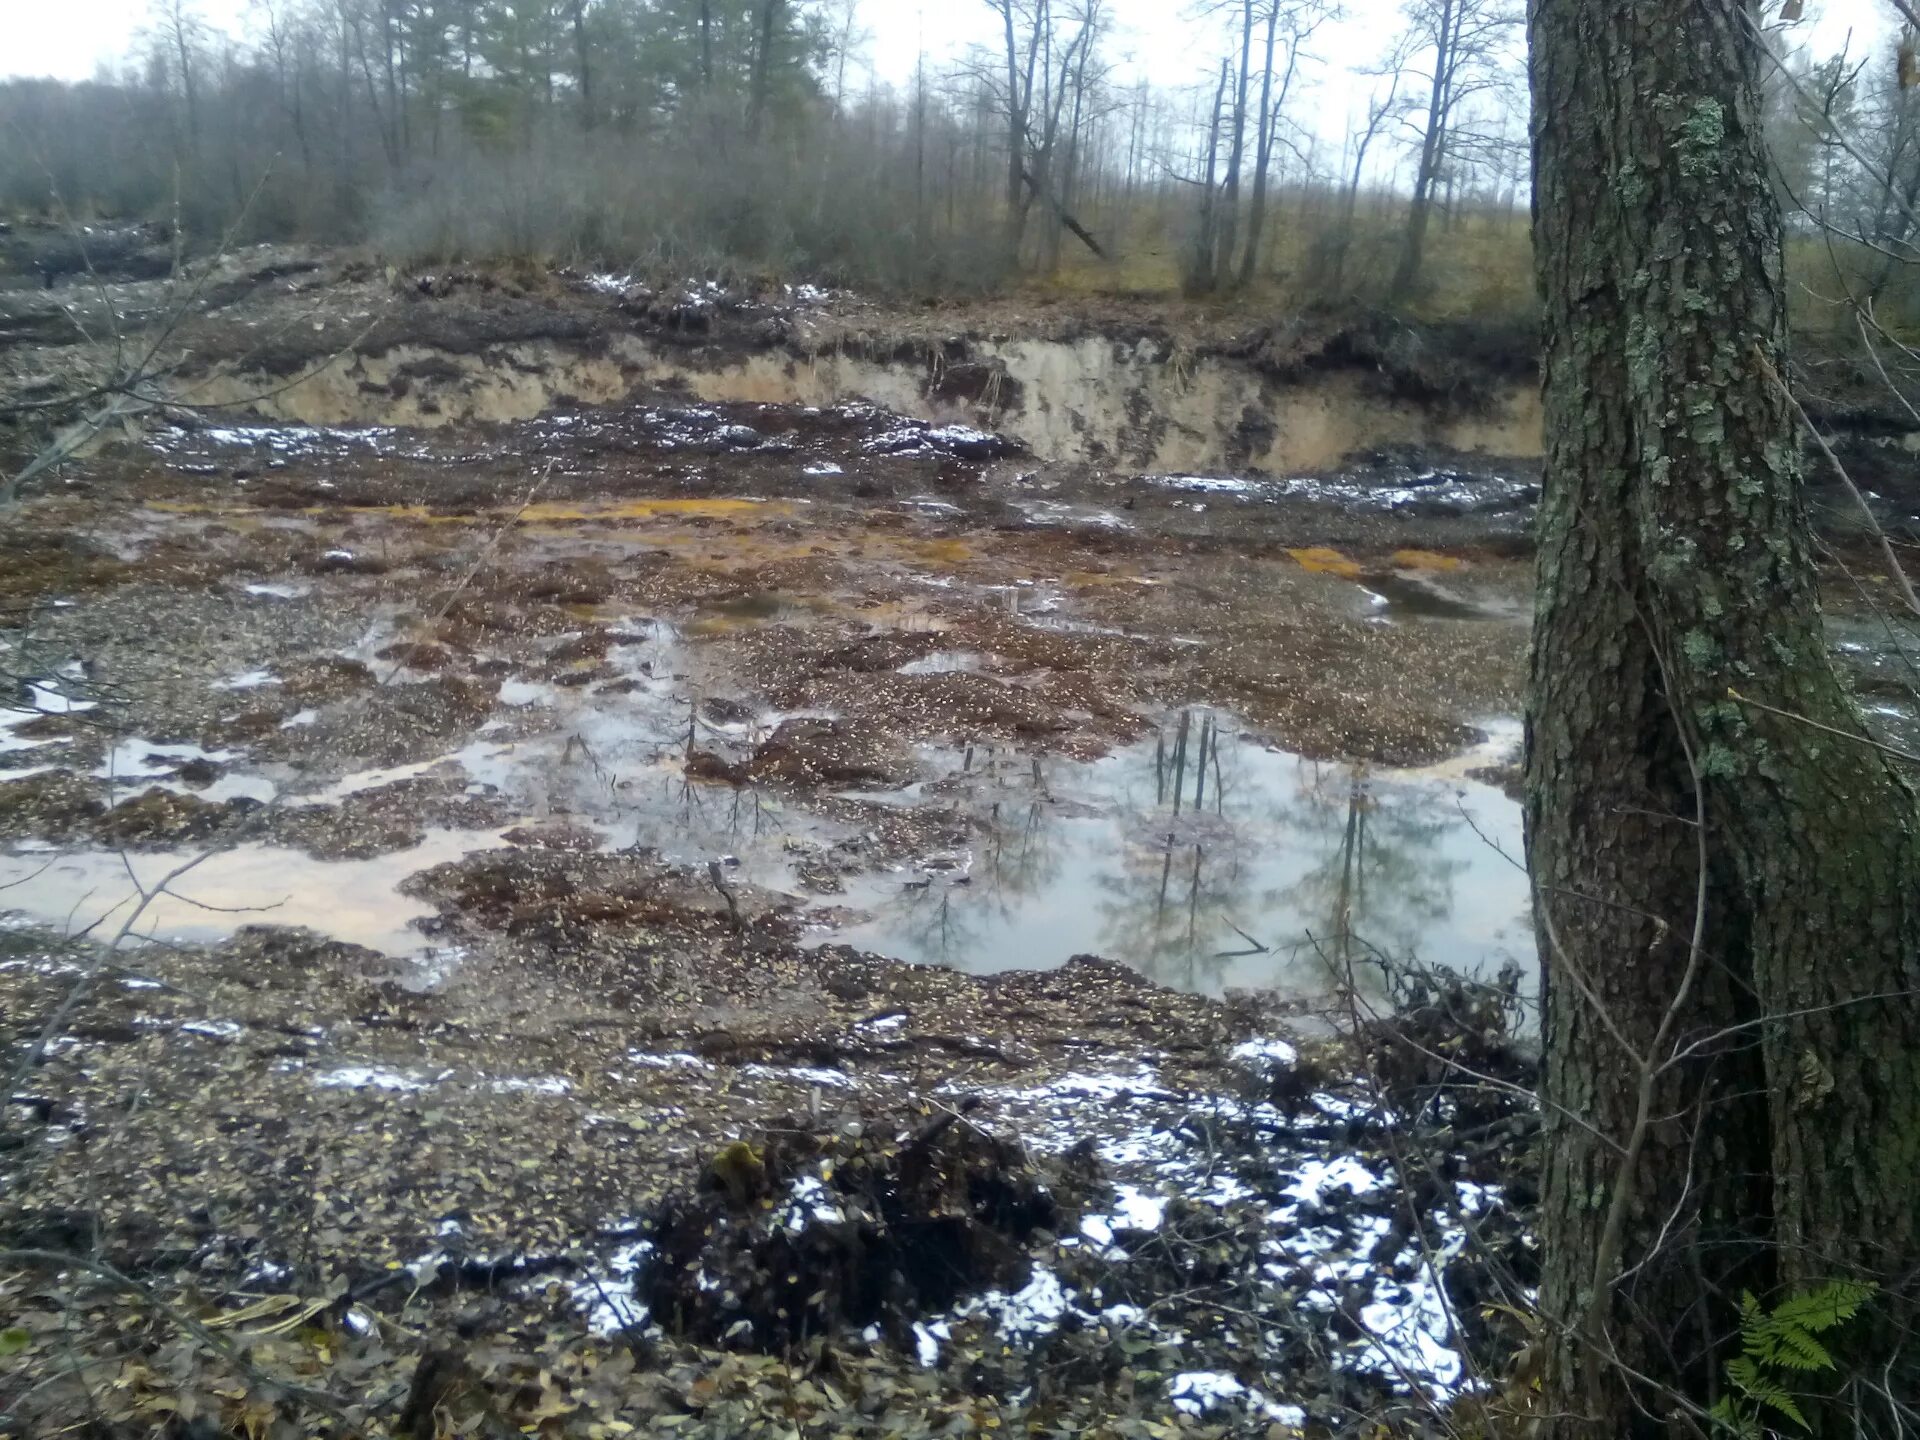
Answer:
(561, 903)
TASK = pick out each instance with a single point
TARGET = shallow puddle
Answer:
(612, 758)
(1200, 857)
(946, 662)
(1209, 863)
(96, 892)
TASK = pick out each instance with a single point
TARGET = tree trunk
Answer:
(706, 46)
(763, 68)
(1016, 217)
(1037, 188)
(1406, 278)
(920, 153)
(1068, 194)
(1674, 574)
(189, 83)
(387, 47)
(1201, 276)
(841, 50)
(1229, 223)
(1269, 123)
(343, 176)
(580, 61)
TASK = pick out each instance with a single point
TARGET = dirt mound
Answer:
(58, 806)
(564, 897)
(1459, 362)
(1446, 1042)
(886, 1220)
(161, 817)
(827, 752)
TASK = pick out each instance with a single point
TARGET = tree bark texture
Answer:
(1676, 584)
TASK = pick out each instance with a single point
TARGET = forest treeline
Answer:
(749, 135)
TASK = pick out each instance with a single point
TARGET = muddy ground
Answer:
(553, 835)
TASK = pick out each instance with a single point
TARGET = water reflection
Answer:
(1209, 862)
(956, 907)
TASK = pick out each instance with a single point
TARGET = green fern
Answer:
(1731, 1420)
(1779, 1345)
(1827, 1308)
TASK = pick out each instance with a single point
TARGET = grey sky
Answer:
(69, 38)
(1160, 38)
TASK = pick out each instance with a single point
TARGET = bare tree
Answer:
(1229, 220)
(1468, 42)
(1045, 67)
(1016, 102)
(179, 30)
(1202, 275)
(1297, 20)
(1382, 111)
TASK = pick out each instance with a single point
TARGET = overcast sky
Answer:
(69, 38)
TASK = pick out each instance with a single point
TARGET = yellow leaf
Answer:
(259, 1310)
(1425, 560)
(1321, 560)
(552, 1405)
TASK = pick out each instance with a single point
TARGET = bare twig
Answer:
(320, 1399)
(1606, 1255)
(480, 560)
(1895, 751)
(1898, 575)
(719, 879)
(81, 986)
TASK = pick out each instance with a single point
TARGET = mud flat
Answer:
(625, 877)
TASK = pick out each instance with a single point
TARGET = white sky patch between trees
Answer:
(1158, 39)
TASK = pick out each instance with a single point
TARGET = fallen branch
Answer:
(1065, 216)
(127, 1285)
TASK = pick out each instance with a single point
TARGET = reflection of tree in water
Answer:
(1205, 858)
(1016, 856)
(1185, 903)
(1185, 863)
(708, 819)
(1387, 878)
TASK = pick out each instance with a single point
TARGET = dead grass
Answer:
(1479, 261)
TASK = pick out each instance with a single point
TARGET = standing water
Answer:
(1209, 862)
